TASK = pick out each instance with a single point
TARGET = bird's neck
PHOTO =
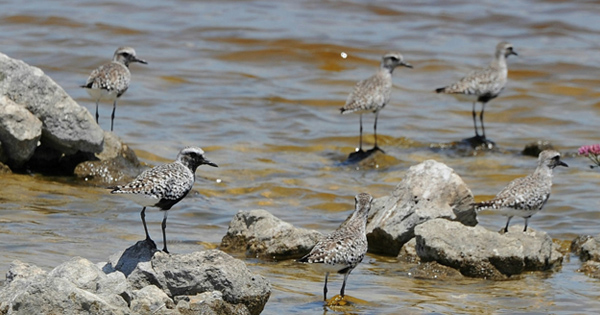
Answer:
(543, 171)
(499, 61)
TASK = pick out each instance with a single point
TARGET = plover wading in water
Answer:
(372, 94)
(165, 185)
(482, 85)
(342, 250)
(111, 80)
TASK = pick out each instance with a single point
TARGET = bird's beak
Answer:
(406, 64)
(207, 162)
(512, 52)
(561, 163)
(140, 61)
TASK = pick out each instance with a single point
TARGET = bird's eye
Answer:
(126, 55)
(394, 58)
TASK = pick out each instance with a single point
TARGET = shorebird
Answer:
(526, 196)
(342, 250)
(372, 94)
(111, 80)
(484, 84)
(165, 185)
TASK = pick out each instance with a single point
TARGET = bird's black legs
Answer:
(325, 287)
(97, 110)
(143, 215)
(475, 119)
(164, 226)
(481, 119)
(112, 117)
(361, 130)
(344, 283)
(507, 222)
(375, 128)
(526, 220)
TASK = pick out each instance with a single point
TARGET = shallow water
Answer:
(258, 86)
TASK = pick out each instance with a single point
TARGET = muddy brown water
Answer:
(258, 85)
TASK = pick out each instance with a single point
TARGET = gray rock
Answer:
(66, 126)
(260, 234)
(587, 247)
(117, 163)
(151, 300)
(210, 303)
(20, 132)
(430, 190)
(199, 272)
(478, 252)
(68, 289)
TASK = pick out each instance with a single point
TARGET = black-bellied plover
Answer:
(342, 250)
(526, 196)
(484, 84)
(372, 94)
(111, 80)
(165, 185)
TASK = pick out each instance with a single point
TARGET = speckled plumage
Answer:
(342, 250)
(484, 84)
(526, 196)
(372, 94)
(111, 80)
(165, 185)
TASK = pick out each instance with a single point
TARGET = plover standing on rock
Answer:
(525, 196)
(165, 185)
(342, 250)
(372, 94)
(111, 80)
(483, 85)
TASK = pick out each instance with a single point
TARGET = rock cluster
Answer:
(35, 111)
(429, 190)
(141, 280)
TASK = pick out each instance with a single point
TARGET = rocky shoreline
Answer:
(427, 221)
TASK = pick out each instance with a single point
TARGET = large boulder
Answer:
(66, 127)
(478, 252)
(206, 271)
(430, 190)
(258, 233)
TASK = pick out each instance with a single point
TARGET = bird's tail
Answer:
(87, 86)
(483, 205)
(440, 90)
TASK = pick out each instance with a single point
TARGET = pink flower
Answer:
(592, 152)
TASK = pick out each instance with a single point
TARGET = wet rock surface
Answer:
(209, 282)
(587, 247)
(430, 190)
(478, 252)
(116, 163)
(258, 233)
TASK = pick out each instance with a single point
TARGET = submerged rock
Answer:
(116, 163)
(478, 252)
(66, 126)
(430, 190)
(208, 282)
(260, 234)
(587, 247)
